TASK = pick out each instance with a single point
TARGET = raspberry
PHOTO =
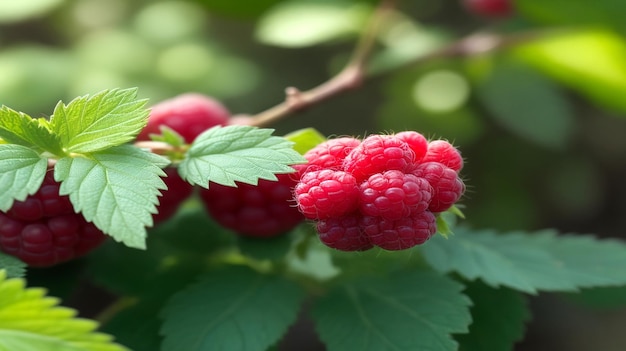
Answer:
(417, 142)
(326, 193)
(343, 233)
(188, 114)
(177, 192)
(402, 233)
(393, 195)
(490, 8)
(264, 210)
(44, 230)
(328, 155)
(378, 153)
(447, 186)
(443, 152)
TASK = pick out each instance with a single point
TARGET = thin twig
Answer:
(349, 78)
(355, 72)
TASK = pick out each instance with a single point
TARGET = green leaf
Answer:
(499, 317)
(168, 135)
(591, 62)
(21, 173)
(21, 129)
(274, 248)
(528, 105)
(94, 123)
(306, 23)
(305, 139)
(529, 262)
(143, 336)
(13, 267)
(117, 189)
(31, 321)
(233, 309)
(406, 310)
(237, 153)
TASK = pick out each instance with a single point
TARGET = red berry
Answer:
(378, 153)
(490, 8)
(44, 230)
(417, 142)
(188, 114)
(399, 234)
(326, 193)
(263, 210)
(343, 233)
(177, 192)
(443, 152)
(393, 195)
(327, 155)
(447, 186)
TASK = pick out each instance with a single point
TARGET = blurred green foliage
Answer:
(541, 123)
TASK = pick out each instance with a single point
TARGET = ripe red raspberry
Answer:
(378, 153)
(447, 186)
(188, 114)
(399, 234)
(417, 142)
(327, 155)
(265, 210)
(490, 8)
(326, 193)
(44, 230)
(343, 233)
(443, 152)
(178, 190)
(393, 195)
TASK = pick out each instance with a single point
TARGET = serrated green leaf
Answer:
(233, 309)
(21, 172)
(406, 310)
(499, 317)
(93, 123)
(237, 153)
(117, 189)
(30, 321)
(13, 267)
(305, 139)
(529, 262)
(21, 129)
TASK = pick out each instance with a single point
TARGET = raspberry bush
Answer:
(188, 214)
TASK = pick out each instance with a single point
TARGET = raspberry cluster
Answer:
(384, 191)
(44, 230)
